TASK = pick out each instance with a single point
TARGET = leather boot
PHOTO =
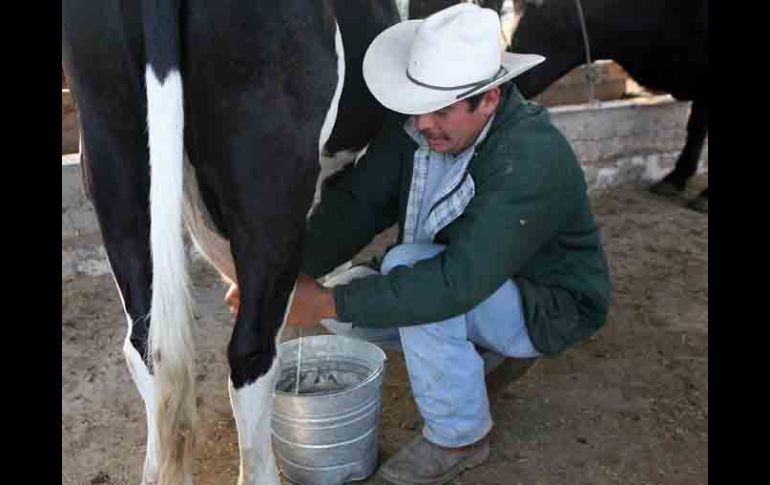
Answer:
(424, 463)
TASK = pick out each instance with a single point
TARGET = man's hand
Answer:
(312, 302)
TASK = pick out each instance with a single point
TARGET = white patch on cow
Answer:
(80, 145)
(331, 114)
(252, 409)
(326, 163)
(214, 247)
(403, 9)
(170, 340)
(330, 164)
(510, 18)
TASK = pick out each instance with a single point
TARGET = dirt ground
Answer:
(627, 406)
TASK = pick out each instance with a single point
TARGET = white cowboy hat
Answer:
(420, 66)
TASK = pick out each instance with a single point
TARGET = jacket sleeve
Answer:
(516, 210)
(356, 204)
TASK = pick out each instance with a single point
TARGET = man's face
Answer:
(455, 128)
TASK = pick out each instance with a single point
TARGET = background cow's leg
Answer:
(687, 164)
(701, 202)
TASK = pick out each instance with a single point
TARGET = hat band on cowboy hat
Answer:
(474, 86)
(420, 66)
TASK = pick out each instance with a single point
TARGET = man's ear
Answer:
(491, 100)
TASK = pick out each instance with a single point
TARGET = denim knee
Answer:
(408, 254)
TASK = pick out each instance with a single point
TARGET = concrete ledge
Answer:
(617, 142)
(634, 140)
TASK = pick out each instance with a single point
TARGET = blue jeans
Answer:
(446, 372)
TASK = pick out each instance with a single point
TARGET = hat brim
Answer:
(385, 64)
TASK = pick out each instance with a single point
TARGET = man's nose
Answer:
(423, 122)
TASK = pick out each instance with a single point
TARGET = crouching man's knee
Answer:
(408, 254)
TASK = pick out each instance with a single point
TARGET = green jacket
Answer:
(530, 219)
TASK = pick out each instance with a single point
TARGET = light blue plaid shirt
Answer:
(441, 186)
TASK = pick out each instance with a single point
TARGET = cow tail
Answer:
(170, 342)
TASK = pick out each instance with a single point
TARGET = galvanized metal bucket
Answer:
(327, 433)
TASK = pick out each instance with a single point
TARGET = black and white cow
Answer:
(214, 112)
(663, 45)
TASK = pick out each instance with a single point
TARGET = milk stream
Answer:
(299, 362)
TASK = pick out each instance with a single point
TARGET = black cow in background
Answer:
(663, 44)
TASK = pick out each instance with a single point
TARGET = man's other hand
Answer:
(312, 303)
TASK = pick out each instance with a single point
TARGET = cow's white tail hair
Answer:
(171, 342)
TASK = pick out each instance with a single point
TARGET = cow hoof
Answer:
(664, 187)
(699, 204)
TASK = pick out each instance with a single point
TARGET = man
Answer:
(498, 248)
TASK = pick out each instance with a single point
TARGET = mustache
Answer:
(430, 134)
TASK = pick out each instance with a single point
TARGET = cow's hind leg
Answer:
(125, 232)
(109, 93)
(687, 164)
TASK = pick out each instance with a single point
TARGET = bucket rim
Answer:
(375, 374)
